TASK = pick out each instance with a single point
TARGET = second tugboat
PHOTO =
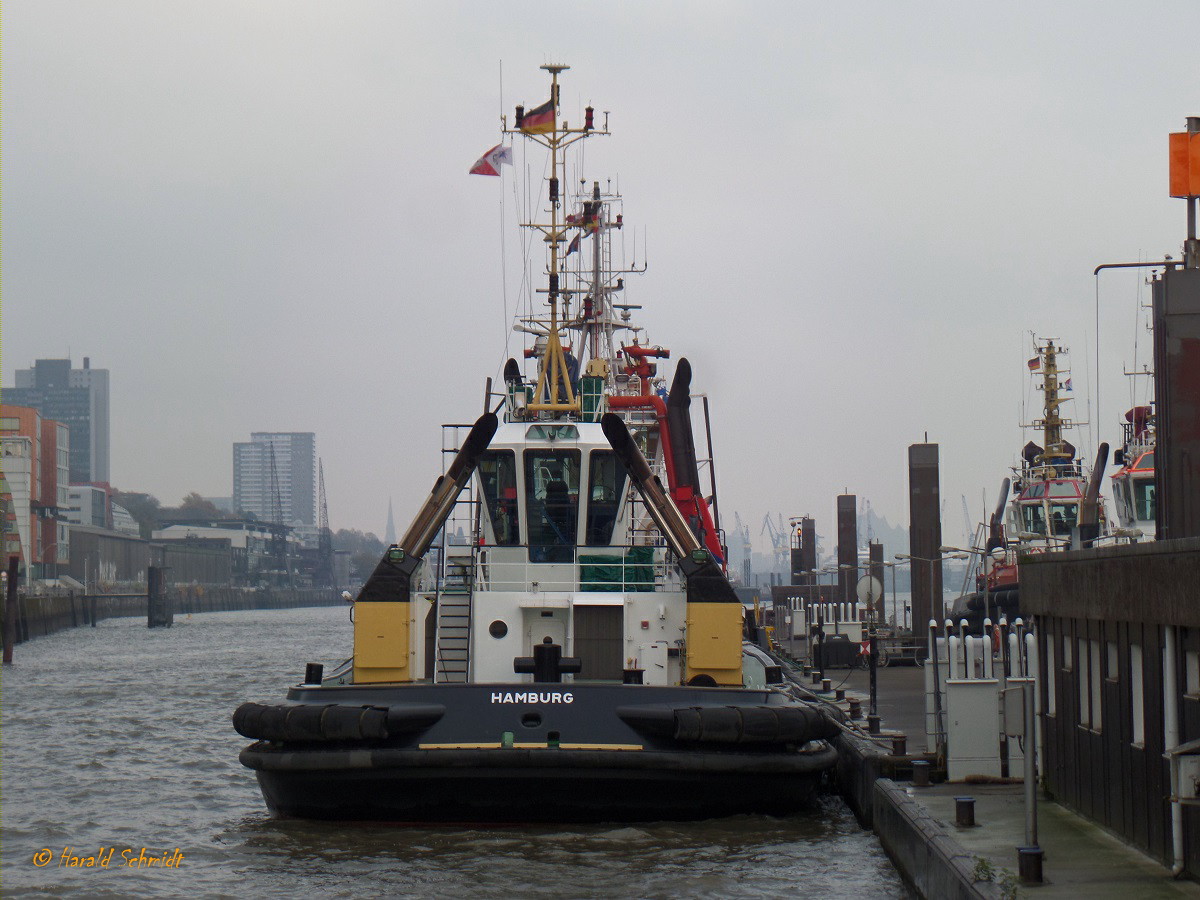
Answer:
(1055, 503)
(579, 656)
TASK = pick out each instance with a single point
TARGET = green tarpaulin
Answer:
(604, 573)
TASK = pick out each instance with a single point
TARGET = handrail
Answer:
(583, 573)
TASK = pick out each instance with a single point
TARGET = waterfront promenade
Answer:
(1081, 859)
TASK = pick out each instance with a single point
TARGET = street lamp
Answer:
(937, 559)
(898, 621)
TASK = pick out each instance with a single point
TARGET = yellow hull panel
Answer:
(381, 642)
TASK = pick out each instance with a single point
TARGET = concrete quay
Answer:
(939, 858)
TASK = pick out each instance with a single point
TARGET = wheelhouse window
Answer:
(498, 475)
(1063, 517)
(552, 504)
(1033, 518)
(1143, 499)
(606, 486)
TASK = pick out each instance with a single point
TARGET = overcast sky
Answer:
(257, 216)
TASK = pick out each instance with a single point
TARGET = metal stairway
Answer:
(454, 618)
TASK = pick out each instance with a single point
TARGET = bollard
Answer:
(964, 812)
(873, 724)
(899, 745)
(1029, 864)
(839, 694)
(920, 773)
(855, 709)
(826, 685)
(816, 677)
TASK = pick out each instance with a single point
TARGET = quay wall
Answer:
(1104, 619)
(38, 615)
(863, 761)
(928, 856)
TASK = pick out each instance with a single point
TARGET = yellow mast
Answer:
(1052, 423)
(554, 373)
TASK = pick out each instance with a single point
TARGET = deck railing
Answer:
(628, 569)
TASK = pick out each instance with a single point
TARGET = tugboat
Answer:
(579, 656)
(1133, 484)
(1055, 503)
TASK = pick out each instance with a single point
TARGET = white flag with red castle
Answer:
(490, 162)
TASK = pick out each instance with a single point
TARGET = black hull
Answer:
(535, 752)
(974, 608)
(534, 786)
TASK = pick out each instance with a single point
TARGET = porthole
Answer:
(498, 629)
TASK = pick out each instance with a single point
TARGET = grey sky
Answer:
(258, 216)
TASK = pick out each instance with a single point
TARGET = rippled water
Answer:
(120, 736)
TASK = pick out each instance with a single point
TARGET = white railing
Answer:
(598, 569)
(832, 618)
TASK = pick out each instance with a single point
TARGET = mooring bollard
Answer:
(816, 677)
(873, 723)
(920, 773)
(826, 685)
(899, 745)
(855, 709)
(839, 694)
(1029, 864)
(964, 812)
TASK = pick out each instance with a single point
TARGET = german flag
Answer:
(539, 120)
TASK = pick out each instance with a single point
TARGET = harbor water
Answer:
(117, 748)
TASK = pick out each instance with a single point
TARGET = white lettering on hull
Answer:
(532, 697)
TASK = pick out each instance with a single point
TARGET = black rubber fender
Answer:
(305, 722)
(762, 725)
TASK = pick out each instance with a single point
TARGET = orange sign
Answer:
(1185, 164)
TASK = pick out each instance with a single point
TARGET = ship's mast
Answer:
(554, 393)
(1055, 448)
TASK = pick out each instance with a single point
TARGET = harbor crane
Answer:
(743, 533)
(779, 542)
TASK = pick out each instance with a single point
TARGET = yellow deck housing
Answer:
(714, 641)
(382, 649)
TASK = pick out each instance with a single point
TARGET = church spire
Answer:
(389, 535)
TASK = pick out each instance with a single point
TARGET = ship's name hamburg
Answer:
(532, 697)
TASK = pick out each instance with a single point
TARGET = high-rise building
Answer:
(78, 398)
(294, 457)
(34, 454)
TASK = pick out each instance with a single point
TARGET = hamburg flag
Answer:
(539, 120)
(573, 246)
(490, 162)
(1035, 364)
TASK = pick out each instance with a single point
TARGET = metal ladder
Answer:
(454, 618)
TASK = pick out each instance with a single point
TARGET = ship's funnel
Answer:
(447, 488)
(662, 509)
(996, 523)
(390, 580)
(679, 420)
(706, 583)
(1089, 509)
